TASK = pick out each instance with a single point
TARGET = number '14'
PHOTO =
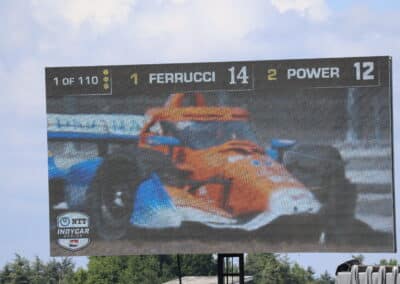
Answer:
(240, 76)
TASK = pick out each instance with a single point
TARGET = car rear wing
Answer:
(94, 127)
(99, 129)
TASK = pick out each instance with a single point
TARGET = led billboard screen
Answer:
(257, 156)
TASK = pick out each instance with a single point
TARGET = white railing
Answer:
(369, 275)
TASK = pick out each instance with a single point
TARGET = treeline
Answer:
(272, 268)
(152, 269)
(106, 269)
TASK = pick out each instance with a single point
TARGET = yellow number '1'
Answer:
(135, 78)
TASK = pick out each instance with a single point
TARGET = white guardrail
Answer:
(369, 275)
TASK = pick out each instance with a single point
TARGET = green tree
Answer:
(141, 269)
(164, 261)
(198, 265)
(79, 277)
(126, 269)
(5, 274)
(265, 268)
(271, 268)
(359, 257)
(146, 269)
(38, 274)
(20, 271)
(325, 278)
(300, 275)
(121, 269)
(59, 272)
(389, 262)
(105, 269)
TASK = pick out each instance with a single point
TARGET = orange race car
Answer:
(191, 162)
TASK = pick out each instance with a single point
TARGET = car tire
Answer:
(321, 169)
(112, 195)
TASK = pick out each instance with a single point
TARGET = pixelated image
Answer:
(268, 169)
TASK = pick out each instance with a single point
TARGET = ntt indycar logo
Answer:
(73, 231)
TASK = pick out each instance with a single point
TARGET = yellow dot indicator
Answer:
(105, 72)
(106, 79)
(106, 86)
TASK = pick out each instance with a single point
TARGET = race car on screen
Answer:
(190, 162)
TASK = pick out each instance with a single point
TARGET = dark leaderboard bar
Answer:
(126, 80)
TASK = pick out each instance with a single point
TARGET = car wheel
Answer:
(112, 195)
(321, 169)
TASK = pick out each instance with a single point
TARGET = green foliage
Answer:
(147, 269)
(299, 275)
(105, 269)
(196, 265)
(389, 262)
(152, 269)
(272, 268)
(5, 274)
(325, 278)
(359, 257)
(268, 268)
(142, 269)
(20, 270)
(79, 277)
(38, 270)
(59, 271)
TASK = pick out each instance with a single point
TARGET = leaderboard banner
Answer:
(251, 156)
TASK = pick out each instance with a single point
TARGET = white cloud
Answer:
(99, 14)
(175, 1)
(198, 30)
(24, 87)
(314, 9)
(169, 29)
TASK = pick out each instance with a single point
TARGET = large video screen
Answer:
(252, 156)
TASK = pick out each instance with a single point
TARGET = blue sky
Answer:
(43, 33)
